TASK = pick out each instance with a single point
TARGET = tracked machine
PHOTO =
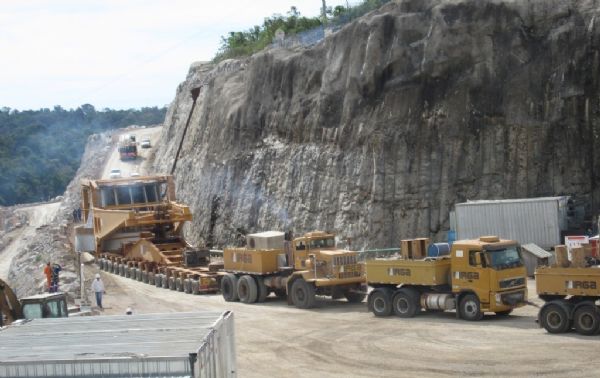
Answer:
(135, 228)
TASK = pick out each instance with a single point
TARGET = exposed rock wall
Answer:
(377, 131)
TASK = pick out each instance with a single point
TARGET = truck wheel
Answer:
(470, 308)
(404, 304)
(380, 301)
(554, 318)
(229, 284)
(262, 290)
(354, 297)
(303, 294)
(586, 320)
(247, 289)
(504, 313)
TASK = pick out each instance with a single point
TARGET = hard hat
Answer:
(97, 275)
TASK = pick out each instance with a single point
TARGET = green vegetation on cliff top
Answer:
(244, 43)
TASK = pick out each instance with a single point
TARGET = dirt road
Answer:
(338, 339)
(38, 215)
(138, 165)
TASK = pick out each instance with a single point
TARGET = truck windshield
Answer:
(505, 258)
(322, 243)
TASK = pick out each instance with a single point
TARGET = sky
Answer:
(116, 54)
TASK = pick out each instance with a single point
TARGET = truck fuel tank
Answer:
(435, 301)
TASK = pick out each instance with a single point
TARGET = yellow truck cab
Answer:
(477, 276)
(299, 269)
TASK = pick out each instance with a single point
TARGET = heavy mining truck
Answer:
(570, 294)
(127, 147)
(47, 305)
(300, 269)
(135, 228)
(473, 277)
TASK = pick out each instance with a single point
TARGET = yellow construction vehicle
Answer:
(476, 276)
(135, 227)
(300, 269)
(47, 305)
(582, 287)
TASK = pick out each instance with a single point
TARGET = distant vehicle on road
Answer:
(115, 173)
(146, 143)
(134, 174)
(127, 147)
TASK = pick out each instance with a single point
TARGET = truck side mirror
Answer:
(478, 258)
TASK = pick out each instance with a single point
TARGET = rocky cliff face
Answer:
(377, 131)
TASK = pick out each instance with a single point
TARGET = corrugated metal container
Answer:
(532, 220)
(152, 345)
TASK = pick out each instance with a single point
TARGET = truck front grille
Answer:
(344, 260)
(512, 282)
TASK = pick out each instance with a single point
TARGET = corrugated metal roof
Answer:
(161, 340)
(514, 200)
(534, 249)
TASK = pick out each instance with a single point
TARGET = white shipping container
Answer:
(147, 345)
(531, 220)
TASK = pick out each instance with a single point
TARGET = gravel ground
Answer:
(338, 339)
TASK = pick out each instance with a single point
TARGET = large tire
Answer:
(586, 320)
(187, 286)
(158, 280)
(470, 308)
(247, 289)
(229, 287)
(263, 292)
(354, 297)
(405, 303)
(554, 318)
(380, 301)
(303, 294)
(195, 285)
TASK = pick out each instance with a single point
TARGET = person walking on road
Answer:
(98, 289)
(48, 273)
(56, 269)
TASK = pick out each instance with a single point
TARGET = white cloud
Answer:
(115, 53)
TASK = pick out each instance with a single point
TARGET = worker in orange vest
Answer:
(48, 273)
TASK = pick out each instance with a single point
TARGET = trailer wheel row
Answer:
(405, 302)
(186, 285)
(560, 316)
(246, 289)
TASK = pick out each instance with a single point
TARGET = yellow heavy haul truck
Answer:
(477, 276)
(570, 296)
(300, 269)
